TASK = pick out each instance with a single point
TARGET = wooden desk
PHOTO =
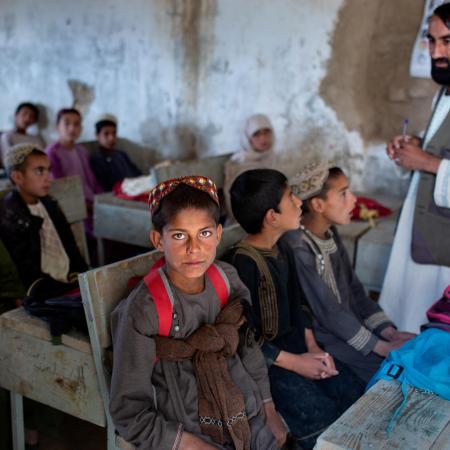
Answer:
(61, 376)
(120, 220)
(423, 425)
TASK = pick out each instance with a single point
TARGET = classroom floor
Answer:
(59, 431)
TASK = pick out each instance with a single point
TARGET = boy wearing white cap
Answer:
(349, 325)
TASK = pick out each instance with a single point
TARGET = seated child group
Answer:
(261, 350)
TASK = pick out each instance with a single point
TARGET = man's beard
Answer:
(440, 75)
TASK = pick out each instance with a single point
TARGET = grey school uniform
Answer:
(153, 401)
(346, 322)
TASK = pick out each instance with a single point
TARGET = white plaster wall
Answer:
(173, 88)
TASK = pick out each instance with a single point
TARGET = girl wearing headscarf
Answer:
(256, 152)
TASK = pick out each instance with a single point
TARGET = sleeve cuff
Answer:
(270, 353)
(442, 186)
(363, 341)
(377, 320)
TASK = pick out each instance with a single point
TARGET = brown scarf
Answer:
(221, 406)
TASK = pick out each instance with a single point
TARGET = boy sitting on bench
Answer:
(347, 323)
(32, 226)
(186, 373)
(310, 389)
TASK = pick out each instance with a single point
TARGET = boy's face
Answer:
(33, 181)
(262, 140)
(338, 206)
(69, 127)
(290, 211)
(189, 242)
(25, 117)
(107, 137)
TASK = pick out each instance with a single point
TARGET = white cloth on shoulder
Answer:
(54, 259)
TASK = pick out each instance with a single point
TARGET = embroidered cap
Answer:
(106, 118)
(311, 178)
(163, 189)
(18, 154)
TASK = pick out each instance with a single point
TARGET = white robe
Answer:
(409, 288)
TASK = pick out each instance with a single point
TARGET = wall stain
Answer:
(192, 29)
(367, 83)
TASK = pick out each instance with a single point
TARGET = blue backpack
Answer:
(423, 363)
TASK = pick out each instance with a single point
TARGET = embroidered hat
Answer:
(311, 178)
(106, 118)
(18, 154)
(163, 189)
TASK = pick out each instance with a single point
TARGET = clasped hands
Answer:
(406, 152)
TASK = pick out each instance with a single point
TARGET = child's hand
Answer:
(383, 348)
(275, 424)
(309, 365)
(192, 442)
(391, 334)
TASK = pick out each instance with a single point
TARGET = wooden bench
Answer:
(211, 167)
(424, 424)
(102, 289)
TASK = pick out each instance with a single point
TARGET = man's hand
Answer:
(276, 425)
(412, 157)
(397, 142)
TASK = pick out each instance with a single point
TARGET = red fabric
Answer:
(118, 192)
(160, 296)
(370, 204)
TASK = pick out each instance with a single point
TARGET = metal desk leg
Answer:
(18, 431)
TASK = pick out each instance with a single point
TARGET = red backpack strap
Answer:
(159, 288)
(220, 282)
(161, 293)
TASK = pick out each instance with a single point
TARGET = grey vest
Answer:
(431, 229)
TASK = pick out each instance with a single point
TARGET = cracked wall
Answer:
(182, 75)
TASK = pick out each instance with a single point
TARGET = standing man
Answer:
(419, 267)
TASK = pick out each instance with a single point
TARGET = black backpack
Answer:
(59, 304)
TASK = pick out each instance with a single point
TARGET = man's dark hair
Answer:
(255, 192)
(443, 12)
(64, 111)
(29, 105)
(104, 123)
(333, 173)
(183, 197)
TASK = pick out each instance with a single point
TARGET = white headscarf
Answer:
(247, 153)
(247, 158)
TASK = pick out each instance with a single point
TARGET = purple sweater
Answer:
(74, 161)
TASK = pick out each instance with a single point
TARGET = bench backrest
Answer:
(211, 167)
(68, 192)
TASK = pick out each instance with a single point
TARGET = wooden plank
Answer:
(350, 234)
(230, 236)
(22, 322)
(56, 375)
(374, 249)
(122, 220)
(211, 167)
(68, 191)
(424, 423)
